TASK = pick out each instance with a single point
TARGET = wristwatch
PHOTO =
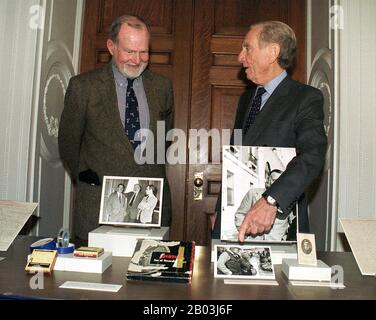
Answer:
(271, 201)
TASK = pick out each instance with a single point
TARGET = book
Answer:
(91, 252)
(162, 260)
(41, 261)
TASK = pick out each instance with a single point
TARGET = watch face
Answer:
(270, 200)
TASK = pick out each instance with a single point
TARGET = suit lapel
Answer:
(151, 96)
(274, 103)
(108, 92)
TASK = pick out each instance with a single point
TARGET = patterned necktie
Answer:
(255, 108)
(132, 118)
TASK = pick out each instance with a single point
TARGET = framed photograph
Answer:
(243, 262)
(306, 249)
(246, 173)
(131, 201)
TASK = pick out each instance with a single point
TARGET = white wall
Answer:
(357, 106)
(18, 45)
(39, 50)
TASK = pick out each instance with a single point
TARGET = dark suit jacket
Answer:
(292, 117)
(132, 209)
(91, 136)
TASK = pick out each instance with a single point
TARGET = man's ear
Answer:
(273, 52)
(110, 46)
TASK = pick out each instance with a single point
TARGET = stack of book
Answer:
(90, 252)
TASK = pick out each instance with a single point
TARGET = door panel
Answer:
(195, 43)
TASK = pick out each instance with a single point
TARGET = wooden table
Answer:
(14, 280)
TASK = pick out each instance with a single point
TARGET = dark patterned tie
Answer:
(255, 108)
(132, 118)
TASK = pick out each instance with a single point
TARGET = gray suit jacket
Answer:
(91, 136)
(292, 117)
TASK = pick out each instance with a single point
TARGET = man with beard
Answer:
(103, 113)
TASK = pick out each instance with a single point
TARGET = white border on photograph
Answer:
(253, 256)
(136, 206)
(244, 169)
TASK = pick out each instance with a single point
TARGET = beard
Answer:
(131, 73)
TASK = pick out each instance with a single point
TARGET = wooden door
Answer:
(195, 43)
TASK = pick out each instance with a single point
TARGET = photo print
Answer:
(247, 172)
(243, 262)
(131, 201)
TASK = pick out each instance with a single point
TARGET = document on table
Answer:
(91, 286)
(361, 236)
(13, 216)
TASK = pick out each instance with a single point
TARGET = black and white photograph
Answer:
(131, 201)
(247, 172)
(243, 262)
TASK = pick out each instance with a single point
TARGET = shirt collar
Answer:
(273, 84)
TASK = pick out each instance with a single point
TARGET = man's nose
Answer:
(241, 56)
(136, 58)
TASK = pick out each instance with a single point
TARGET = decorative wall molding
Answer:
(59, 70)
(321, 77)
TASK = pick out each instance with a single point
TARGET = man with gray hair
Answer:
(103, 113)
(278, 112)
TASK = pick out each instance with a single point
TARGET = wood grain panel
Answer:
(224, 105)
(227, 75)
(225, 60)
(213, 188)
(103, 57)
(160, 58)
(235, 18)
(223, 111)
(223, 44)
(157, 13)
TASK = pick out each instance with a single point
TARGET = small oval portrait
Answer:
(306, 246)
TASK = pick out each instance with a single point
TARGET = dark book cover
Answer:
(161, 260)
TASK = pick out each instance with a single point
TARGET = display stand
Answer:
(295, 271)
(122, 241)
(68, 262)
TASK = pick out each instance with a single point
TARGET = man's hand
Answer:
(258, 220)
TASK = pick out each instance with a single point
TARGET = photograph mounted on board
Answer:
(131, 201)
(247, 172)
(243, 262)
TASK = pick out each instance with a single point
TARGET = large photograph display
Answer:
(131, 201)
(247, 172)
